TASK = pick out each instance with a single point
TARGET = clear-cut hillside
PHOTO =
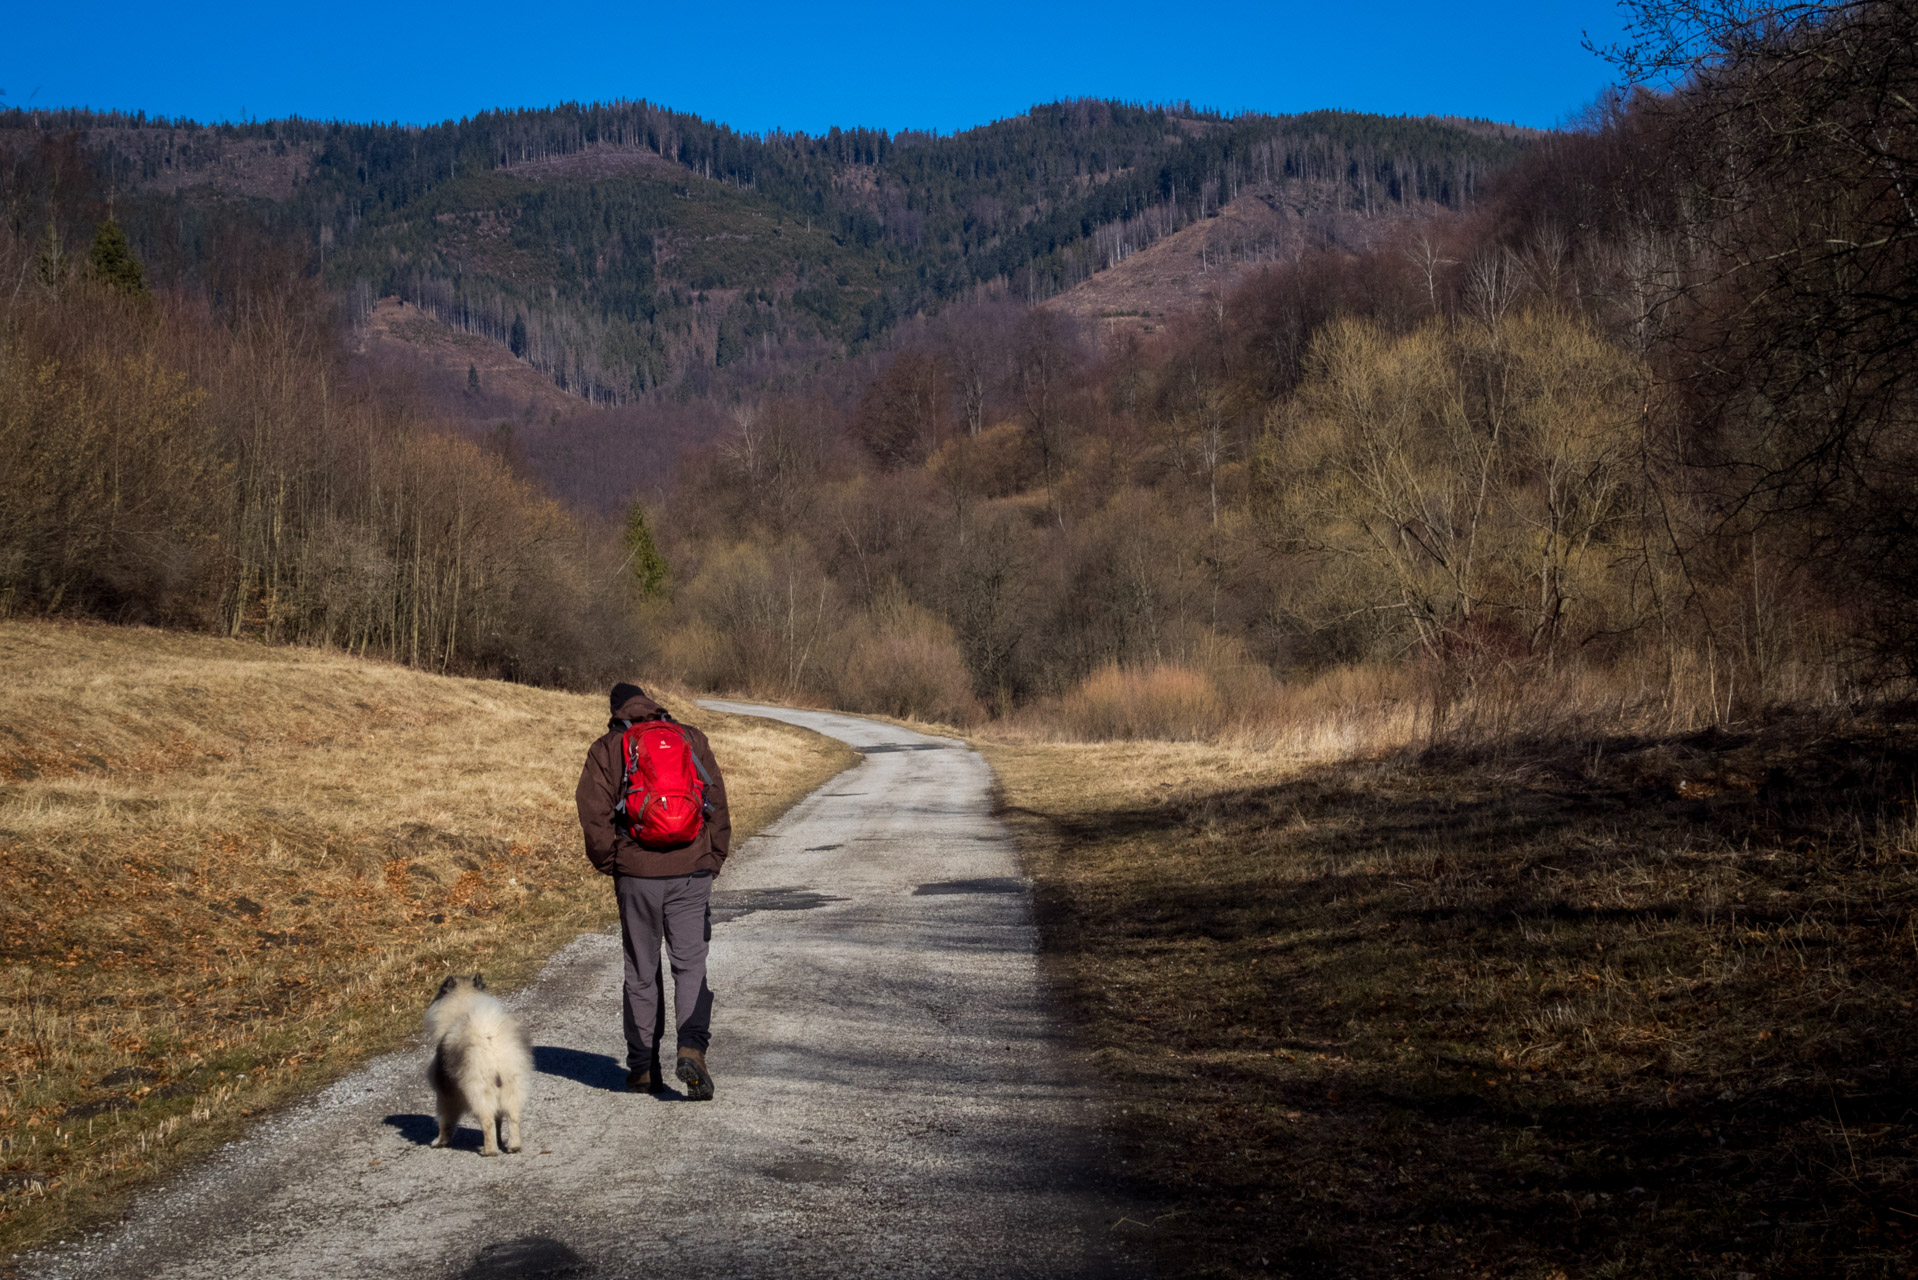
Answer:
(1208, 258)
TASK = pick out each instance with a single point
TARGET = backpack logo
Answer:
(662, 797)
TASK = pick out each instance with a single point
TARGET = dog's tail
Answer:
(501, 1031)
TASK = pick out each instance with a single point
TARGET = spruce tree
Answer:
(112, 261)
(730, 346)
(472, 380)
(516, 340)
(648, 567)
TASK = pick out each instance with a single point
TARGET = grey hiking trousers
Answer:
(677, 909)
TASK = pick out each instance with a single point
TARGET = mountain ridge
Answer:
(630, 252)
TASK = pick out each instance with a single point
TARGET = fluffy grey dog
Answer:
(480, 1063)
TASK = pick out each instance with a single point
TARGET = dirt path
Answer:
(893, 1096)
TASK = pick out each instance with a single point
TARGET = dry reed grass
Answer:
(233, 870)
(1348, 711)
(1368, 710)
(1625, 1006)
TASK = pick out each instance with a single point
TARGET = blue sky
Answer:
(761, 65)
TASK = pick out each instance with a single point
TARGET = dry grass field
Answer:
(1635, 1007)
(231, 871)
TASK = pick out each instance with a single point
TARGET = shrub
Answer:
(755, 620)
(1169, 703)
(903, 661)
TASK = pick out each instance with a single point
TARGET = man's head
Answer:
(623, 691)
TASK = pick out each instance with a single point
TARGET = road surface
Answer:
(894, 1098)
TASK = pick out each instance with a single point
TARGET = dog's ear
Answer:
(448, 985)
(479, 982)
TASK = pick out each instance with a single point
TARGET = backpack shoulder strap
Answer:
(699, 768)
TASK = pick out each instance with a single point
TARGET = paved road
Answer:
(893, 1098)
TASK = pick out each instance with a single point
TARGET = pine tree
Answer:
(643, 559)
(112, 261)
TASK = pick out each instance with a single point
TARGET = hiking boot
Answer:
(693, 1074)
(647, 1081)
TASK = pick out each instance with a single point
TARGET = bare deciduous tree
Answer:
(1460, 482)
(1046, 359)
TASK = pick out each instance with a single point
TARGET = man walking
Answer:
(664, 886)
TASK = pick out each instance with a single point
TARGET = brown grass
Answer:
(232, 871)
(1218, 695)
(1224, 698)
(1625, 1007)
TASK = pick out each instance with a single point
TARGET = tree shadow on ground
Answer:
(1641, 1004)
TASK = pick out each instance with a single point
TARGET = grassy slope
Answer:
(1644, 1014)
(232, 871)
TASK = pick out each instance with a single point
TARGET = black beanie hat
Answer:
(622, 691)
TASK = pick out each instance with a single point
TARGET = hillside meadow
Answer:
(233, 870)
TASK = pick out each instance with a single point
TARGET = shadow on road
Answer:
(421, 1130)
(525, 1257)
(594, 1070)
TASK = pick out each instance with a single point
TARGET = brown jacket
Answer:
(607, 844)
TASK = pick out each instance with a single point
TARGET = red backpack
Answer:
(662, 798)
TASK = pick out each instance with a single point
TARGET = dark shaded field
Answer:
(1632, 1008)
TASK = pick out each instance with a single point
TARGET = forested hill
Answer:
(623, 248)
